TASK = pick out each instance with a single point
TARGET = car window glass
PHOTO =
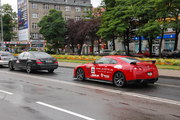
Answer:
(129, 59)
(26, 55)
(40, 55)
(113, 61)
(20, 55)
(103, 60)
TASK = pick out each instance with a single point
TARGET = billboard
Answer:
(23, 33)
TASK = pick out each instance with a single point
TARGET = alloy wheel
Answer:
(80, 74)
(119, 79)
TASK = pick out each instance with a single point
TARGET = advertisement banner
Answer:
(23, 20)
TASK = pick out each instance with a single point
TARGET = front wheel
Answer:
(11, 67)
(119, 79)
(80, 74)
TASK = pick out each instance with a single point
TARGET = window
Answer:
(34, 5)
(129, 59)
(169, 44)
(45, 6)
(57, 7)
(67, 17)
(77, 18)
(67, 8)
(78, 9)
(35, 35)
(35, 15)
(34, 25)
(103, 60)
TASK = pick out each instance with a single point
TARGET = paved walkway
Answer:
(162, 72)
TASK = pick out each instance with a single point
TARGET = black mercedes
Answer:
(34, 60)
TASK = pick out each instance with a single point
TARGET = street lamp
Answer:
(2, 39)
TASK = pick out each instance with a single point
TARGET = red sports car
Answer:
(119, 70)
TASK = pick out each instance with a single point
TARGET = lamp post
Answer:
(2, 37)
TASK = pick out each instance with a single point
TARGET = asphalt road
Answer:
(57, 96)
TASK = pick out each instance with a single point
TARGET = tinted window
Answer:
(129, 59)
(103, 60)
(41, 55)
(20, 55)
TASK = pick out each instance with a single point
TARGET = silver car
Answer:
(5, 57)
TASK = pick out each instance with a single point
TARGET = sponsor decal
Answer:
(94, 75)
(118, 66)
(92, 69)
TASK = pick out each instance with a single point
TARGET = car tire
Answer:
(28, 68)
(51, 70)
(80, 75)
(119, 79)
(11, 67)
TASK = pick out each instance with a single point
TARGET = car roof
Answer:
(4, 52)
(116, 56)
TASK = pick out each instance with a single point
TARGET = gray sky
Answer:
(13, 3)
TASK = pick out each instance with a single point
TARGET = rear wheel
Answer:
(51, 70)
(11, 66)
(80, 74)
(28, 68)
(119, 79)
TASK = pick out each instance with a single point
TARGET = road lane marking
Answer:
(9, 93)
(161, 84)
(157, 99)
(66, 111)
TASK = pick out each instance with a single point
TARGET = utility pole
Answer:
(2, 37)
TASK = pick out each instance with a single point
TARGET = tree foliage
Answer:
(53, 28)
(9, 19)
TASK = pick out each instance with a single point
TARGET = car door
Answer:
(24, 60)
(17, 61)
(98, 68)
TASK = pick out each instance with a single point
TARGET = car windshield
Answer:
(129, 59)
(41, 55)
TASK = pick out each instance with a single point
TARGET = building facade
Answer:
(30, 12)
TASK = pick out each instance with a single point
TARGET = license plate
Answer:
(48, 61)
(149, 73)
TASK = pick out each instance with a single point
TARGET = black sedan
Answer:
(34, 60)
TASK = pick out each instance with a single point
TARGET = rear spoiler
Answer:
(153, 61)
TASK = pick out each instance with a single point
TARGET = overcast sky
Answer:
(13, 3)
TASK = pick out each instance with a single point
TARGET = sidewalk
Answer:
(162, 72)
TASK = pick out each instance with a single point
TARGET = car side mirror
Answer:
(94, 62)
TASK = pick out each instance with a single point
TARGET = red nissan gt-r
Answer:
(119, 70)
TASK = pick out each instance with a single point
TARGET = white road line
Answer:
(168, 101)
(175, 86)
(66, 111)
(9, 93)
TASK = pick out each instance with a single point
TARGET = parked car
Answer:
(106, 52)
(166, 53)
(34, 60)
(5, 57)
(176, 54)
(119, 70)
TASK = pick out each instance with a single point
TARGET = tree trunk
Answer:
(150, 46)
(127, 41)
(160, 43)
(176, 40)
(114, 48)
(140, 44)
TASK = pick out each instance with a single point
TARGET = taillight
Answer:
(38, 61)
(56, 62)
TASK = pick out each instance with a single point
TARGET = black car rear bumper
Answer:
(45, 67)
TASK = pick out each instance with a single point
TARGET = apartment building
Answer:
(30, 12)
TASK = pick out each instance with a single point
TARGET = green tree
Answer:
(53, 28)
(9, 19)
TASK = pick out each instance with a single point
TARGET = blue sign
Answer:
(158, 37)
